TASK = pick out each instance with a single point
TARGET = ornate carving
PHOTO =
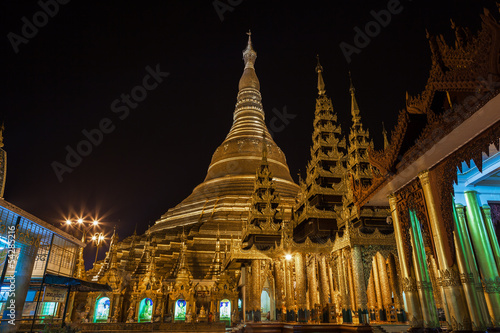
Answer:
(449, 278)
(472, 67)
(411, 197)
(467, 278)
(409, 284)
(491, 286)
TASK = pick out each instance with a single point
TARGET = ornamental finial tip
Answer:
(351, 86)
(321, 83)
(319, 68)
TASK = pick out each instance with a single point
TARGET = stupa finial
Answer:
(321, 83)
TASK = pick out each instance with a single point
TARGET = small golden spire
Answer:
(354, 103)
(384, 133)
(321, 83)
(2, 128)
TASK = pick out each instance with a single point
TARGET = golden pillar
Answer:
(393, 281)
(424, 285)
(332, 282)
(350, 279)
(247, 294)
(256, 290)
(359, 284)
(312, 283)
(344, 287)
(372, 298)
(378, 290)
(279, 273)
(469, 275)
(484, 255)
(486, 210)
(409, 283)
(384, 281)
(289, 297)
(324, 281)
(450, 279)
(300, 280)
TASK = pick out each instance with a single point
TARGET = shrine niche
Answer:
(102, 310)
(145, 313)
(180, 310)
(225, 310)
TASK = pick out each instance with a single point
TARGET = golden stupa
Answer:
(222, 201)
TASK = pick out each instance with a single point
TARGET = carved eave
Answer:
(459, 68)
(467, 73)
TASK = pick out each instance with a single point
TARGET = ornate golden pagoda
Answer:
(320, 203)
(225, 193)
(263, 226)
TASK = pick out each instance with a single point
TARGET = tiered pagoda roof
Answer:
(318, 210)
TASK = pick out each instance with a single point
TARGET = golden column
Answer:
(324, 281)
(343, 276)
(469, 275)
(378, 289)
(484, 255)
(290, 299)
(424, 285)
(300, 280)
(372, 298)
(312, 283)
(491, 234)
(452, 289)
(393, 280)
(437, 289)
(247, 294)
(256, 290)
(279, 273)
(331, 281)
(409, 287)
(350, 279)
(359, 284)
(384, 282)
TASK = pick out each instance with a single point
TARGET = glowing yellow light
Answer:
(93, 238)
(288, 257)
(80, 220)
(95, 222)
(68, 222)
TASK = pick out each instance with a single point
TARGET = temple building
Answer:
(408, 233)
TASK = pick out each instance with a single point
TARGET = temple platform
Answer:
(139, 327)
(300, 327)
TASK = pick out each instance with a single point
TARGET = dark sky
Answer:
(65, 77)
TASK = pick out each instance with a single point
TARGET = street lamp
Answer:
(82, 225)
(98, 239)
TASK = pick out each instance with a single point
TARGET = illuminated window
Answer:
(102, 310)
(49, 309)
(180, 310)
(225, 309)
(145, 310)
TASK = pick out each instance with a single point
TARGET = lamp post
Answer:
(98, 239)
(83, 226)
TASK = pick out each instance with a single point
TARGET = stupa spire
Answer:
(324, 184)
(354, 104)
(384, 133)
(321, 83)
(358, 164)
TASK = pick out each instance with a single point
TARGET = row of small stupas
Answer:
(229, 238)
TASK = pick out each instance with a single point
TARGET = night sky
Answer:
(64, 80)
